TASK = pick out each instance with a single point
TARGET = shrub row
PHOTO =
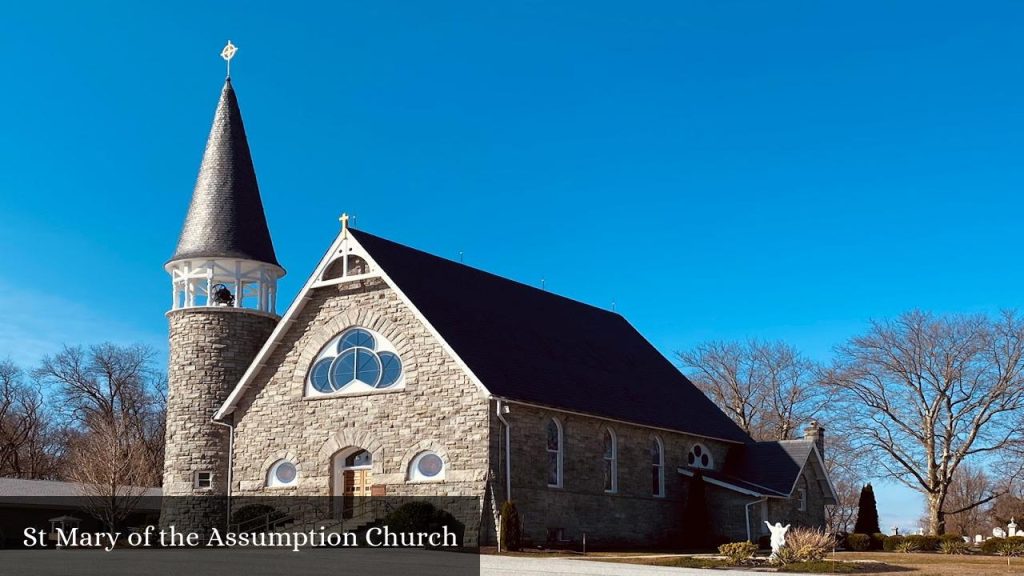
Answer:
(1012, 546)
(910, 543)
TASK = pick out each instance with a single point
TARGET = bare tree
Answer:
(843, 464)
(970, 484)
(767, 388)
(1007, 506)
(111, 387)
(29, 445)
(923, 394)
(112, 468)
(114, 401)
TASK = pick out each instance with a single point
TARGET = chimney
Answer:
(816, 433)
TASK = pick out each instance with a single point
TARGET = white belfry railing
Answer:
(224, 282)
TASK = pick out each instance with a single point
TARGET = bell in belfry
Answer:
(222, 296)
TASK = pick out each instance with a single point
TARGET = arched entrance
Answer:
(352, 478)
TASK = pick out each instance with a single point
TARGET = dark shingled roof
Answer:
(226, 219)
(50, 493)
(773, 465)
(537, 347)
(737, 482)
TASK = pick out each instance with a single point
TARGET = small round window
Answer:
(426, 466)
(282, 473)
(699, 457)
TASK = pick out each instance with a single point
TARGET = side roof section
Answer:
(776, 465)
(537, 347)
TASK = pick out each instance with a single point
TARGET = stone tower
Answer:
(224, 275)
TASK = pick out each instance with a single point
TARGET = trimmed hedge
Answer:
(924, 543)
(423, 517)
(858, 542)
(1013, 546)
(892, 543)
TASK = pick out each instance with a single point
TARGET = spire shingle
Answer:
(226, 219)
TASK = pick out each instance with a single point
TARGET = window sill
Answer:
(336, 395)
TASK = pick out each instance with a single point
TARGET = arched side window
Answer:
(282, 473)
(700, 457)
(611, 461)
(657, 467)
(555, 442)
(426, 467)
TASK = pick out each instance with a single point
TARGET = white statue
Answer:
(978, 538)
(778, 537)
(1011, 528)
(999, 533)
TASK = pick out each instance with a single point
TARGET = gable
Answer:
(776, 466)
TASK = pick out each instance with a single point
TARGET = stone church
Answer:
(397, 372)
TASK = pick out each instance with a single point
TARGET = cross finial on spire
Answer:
(344, 224)
(227, 54)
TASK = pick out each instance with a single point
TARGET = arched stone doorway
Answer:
(351, 482)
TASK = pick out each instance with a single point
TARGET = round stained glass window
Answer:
(285, 473)
(699, 457)
(428, 465)
(282, 473)
(391, 369)
(357, 337)
(355, 361)
(355, 364)
(320, 375)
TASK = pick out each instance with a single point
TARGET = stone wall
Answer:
(631, 516)
(788, 511)
(210, 349)
(438, 409)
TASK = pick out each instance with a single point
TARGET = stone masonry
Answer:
(439, 408)
(210, 349)
(632, 515)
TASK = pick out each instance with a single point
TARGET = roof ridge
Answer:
(492, 274)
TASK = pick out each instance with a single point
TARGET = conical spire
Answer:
(226, 219)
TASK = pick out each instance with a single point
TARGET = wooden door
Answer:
(357, 484)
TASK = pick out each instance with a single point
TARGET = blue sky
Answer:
(717, 169)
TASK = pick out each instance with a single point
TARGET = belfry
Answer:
(224, 276)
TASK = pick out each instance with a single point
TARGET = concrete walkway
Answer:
(520, 566)
(315, 562)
